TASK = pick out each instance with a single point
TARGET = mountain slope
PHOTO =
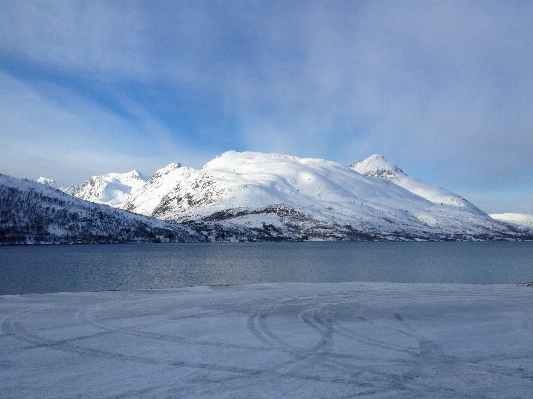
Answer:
(111, 189)
(319, 199)
(146, 199)
(50, 182)
(256, 196)
(521, 221)
(35, 213)
(32, 212)
(377, 166)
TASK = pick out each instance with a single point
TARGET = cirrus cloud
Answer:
(444, 89)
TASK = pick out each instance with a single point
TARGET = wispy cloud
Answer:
(54, 132)
(445, 87)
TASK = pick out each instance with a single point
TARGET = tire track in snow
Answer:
(341, 334)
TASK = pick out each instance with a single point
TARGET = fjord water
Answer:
(75, 268)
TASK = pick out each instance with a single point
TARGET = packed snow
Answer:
(375, 340)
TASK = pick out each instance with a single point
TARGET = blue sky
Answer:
(442, 89)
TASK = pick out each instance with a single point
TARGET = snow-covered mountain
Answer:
(32, 212)
(38, 213)
(272, 196)
(148, 197)
(112, 189)
(51, 182)
(318, 199)
(521, 221)
(378, 167)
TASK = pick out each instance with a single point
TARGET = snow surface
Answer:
(50, 182)
(111, 189)
(377, 166)
(299, 198)
(321, 193)
(374, 340)
(146, 199)
(520, 220)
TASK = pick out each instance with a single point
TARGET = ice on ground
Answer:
(375, 340)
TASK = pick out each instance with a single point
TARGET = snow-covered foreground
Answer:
(293, 340)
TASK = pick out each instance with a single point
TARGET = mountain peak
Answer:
(49, 182)
(169, 168)
(296, 198)
(377, 166)
(112, 188)
(134, 174)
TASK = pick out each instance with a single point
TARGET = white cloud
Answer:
(433, 85)
(72, 138)
(102, 38)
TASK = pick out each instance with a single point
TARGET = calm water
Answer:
(57, 268)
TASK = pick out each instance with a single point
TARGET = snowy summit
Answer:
(315, 198)
(145, 199)
(111, 189)
(377, 166)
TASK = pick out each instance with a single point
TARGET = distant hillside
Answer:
(110, 189)
(33, 213)
(36, 213)
(520, 221)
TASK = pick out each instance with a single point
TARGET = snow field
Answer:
(519, 220)
(376, 340)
